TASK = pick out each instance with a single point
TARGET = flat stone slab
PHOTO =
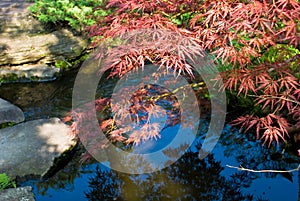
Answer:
(30, 148)
(17, 194)
(10, 113)
(29, 73)
(41, 48)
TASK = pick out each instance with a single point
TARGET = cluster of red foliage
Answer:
(234, 31)
(277, 93)
(237, 33)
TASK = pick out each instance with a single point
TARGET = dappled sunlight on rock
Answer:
(31, 148)
(55, 135)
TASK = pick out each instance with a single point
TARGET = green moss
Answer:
(8, 124)
(12, 77)
(62, 64)
(9, 78)
(69, 64)
(34, 78)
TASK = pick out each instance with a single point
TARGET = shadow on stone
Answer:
(31, 148)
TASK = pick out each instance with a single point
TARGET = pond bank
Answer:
(28, 53)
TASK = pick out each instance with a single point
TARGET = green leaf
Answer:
(176, 21)
(75, 13)
(5, 182)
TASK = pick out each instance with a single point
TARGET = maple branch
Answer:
(274, 171)
(265, 97)
(194, 85)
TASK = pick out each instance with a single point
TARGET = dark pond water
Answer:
(187, 179)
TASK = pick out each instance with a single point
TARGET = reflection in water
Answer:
(41, 100)
(188, 179)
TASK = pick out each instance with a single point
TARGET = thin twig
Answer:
(266, 97)
(194, 85)
(275, 171)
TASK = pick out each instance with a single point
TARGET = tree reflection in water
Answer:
(187, 179)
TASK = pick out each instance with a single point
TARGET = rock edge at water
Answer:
(10, 113)
(30, 148)
(29, 73)
(17, 194)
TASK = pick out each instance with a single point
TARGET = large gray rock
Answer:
(10, 113)
(17, 194)
(30, 148)
(42, 48)
(25, 41)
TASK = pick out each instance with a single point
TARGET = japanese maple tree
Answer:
(254, 43)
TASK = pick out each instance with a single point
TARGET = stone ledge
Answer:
(29, 73)
(43, 48)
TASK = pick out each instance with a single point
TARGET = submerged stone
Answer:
(30, 148)
(10, 113)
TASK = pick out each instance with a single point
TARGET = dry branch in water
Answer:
(273, 171)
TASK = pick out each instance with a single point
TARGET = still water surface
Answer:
(187, 179)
